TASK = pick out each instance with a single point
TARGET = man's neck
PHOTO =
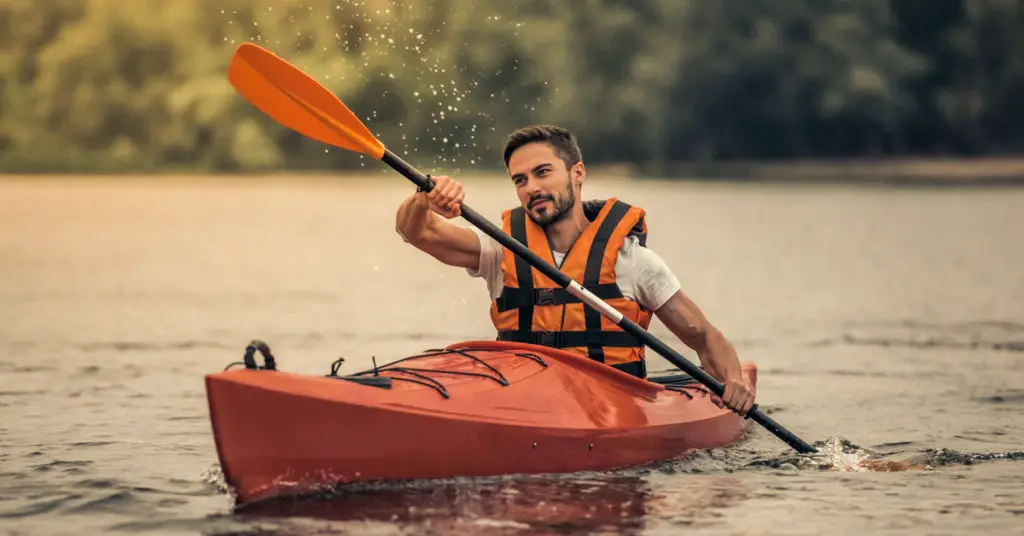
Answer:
(562, 234)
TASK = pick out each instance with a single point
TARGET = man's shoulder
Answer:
(632, 245)
(633, 256)
(640, 257)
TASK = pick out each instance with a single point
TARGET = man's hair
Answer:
(560, 139)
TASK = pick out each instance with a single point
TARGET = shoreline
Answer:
(896, 171)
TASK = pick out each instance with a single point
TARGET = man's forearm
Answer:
(414, 218)
(686, 321)
(718, 356)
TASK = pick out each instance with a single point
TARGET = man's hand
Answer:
(738, 396)
(446, 197)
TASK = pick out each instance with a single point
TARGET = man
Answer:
(601, 245)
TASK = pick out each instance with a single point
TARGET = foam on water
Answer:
(836, 454)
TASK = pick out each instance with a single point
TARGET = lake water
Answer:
(887, 324)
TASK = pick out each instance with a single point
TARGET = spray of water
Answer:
(840, 455)
(399, 67)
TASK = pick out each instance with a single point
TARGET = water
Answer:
(890, 319)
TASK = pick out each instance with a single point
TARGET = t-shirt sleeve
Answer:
(655, 281)
(490, 262)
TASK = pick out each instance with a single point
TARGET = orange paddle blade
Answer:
(297, 101)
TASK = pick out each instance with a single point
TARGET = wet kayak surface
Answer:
(887, 326)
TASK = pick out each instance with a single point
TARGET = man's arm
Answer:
(421, 220)
(717, 355)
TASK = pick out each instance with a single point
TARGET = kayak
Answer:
(472, 409)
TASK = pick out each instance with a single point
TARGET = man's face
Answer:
(543, 183)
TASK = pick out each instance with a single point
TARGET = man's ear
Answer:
(579, 173)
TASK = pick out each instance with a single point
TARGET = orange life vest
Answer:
(534, 309)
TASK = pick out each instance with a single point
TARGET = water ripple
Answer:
(979, 335)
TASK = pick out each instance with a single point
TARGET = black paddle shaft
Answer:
(755, 413)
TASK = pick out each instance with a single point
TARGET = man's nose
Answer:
(531, 187)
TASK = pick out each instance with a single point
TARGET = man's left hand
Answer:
(738, 396)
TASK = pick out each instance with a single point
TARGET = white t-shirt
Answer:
(640, 272)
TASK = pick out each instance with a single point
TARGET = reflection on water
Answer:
(535, 505)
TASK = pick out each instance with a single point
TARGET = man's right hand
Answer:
(446, 197)
(447, 242)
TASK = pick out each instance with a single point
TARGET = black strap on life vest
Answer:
(592, 275)
(526, 297)
(593, 207)
(524, 272)
(513, 298)
(569, 339)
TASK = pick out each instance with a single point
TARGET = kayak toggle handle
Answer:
(250, 360)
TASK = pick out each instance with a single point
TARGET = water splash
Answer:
(395, 64)
(213, 477)
(840, 455)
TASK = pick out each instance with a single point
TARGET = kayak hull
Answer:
(502, 408)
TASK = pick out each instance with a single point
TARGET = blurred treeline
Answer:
(140, 85)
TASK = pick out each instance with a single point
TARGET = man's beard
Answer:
(562, 208)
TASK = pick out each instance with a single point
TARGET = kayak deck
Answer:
(477, 408)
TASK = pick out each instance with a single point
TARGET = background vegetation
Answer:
(115, 85)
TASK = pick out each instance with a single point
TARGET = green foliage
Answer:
(108, 85)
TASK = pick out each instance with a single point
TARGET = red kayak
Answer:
(477, 408)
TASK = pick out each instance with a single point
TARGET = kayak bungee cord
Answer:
(679, 383)
(420, 374)
(299, 102)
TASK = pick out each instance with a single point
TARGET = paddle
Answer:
(294, 99)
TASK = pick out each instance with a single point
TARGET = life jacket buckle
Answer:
(545, 296)
(550, 339)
